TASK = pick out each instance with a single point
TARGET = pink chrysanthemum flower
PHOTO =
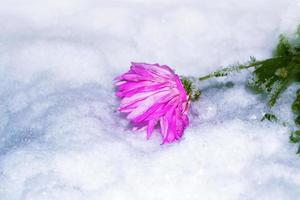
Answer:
(153, 94)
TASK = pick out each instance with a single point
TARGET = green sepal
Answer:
(191, 91)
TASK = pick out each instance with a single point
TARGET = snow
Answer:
(60, 134)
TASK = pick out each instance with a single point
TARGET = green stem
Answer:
(228, 70)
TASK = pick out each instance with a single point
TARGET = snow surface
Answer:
(60, 134)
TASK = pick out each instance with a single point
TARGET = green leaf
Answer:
(273, 76)
(270, 117)
(298, 151)
(297, 133)
(295, 137)
(296, 103)
(297, 120)
(283, 47)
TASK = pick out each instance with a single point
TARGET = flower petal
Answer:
(153, 94)
(151, 125)
(147, 103)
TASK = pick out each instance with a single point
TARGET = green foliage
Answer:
(273, 76)
(270, 117)
(188, 85)
(273, 118)
(295, 136)
(296, 104)
(191, 91)
(196, 95)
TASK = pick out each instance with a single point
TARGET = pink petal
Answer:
(138, 97)
(151, 125)
(160, 70)
(146, 104)
(147, 88)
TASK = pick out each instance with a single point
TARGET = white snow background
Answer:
(62, 139)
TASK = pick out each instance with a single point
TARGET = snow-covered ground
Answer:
(61, 137)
